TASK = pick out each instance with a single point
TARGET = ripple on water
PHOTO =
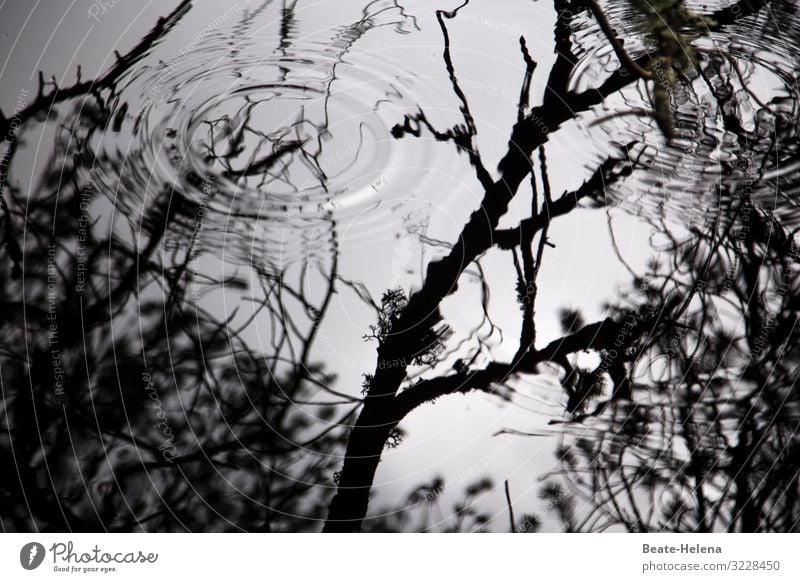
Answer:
(279, 147)
(689, 177)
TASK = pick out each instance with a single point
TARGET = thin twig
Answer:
(622, 54)
(510, 510)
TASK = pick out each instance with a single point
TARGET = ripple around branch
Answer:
(745, 74)
(273, 145)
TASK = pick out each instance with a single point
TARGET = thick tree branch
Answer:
(597, 336)
(594, 187)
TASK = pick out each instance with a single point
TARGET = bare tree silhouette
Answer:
(129, 405)
(707, 440)
(412, 331)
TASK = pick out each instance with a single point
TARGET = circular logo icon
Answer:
(31, 555)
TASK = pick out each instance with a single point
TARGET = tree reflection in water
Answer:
(130, 402)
